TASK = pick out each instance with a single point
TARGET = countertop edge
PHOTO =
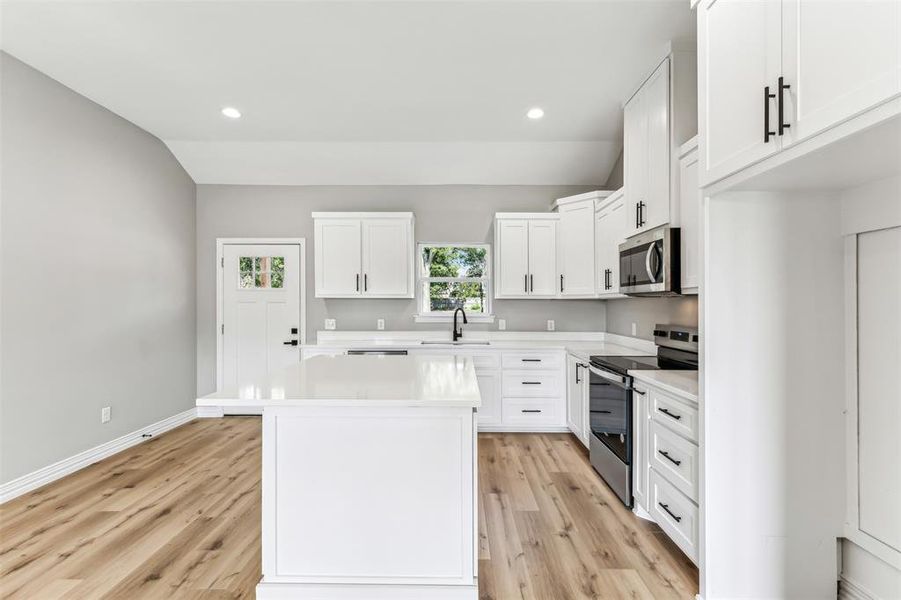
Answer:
(649, 378)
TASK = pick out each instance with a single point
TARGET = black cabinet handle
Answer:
(525, 279)
(638, 391)
(365, 282)
(290, 343)
(637, 215)
(641, 219)
(531, 410)
(578, 366)
(561, 283)
(666, 455)
(767, 133)
(669, 512)
(358, 282)
(531, 383)
(782, 87)
(669, 414)
(532, 283)
(530, 360)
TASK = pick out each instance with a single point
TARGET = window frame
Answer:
(423, 315)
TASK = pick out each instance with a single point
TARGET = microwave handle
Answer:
(652, 273)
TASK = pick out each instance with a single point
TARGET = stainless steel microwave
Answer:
(649, 263)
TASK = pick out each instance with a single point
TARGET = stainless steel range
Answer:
(610, 402)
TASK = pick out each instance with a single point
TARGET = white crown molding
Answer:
(57, 470)
(397, 163)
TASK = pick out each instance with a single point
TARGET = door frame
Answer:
(220, 290)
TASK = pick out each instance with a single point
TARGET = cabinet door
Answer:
(656, 208)
(338, 245)
(739, 45)
(490, 390)
(690, 220)
(635, 156)
(640, 447)
(574, 385)
(577, 248)
(618, 229)
(840, 58)
(601, 250)
(512, 263)
(387, 258)
(543, 279)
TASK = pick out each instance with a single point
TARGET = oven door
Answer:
(610, 412)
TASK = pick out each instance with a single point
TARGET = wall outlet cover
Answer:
(380, 324)
(105, 414)
(550, 325)
(330, 324)
(502, 324)
(634, 329)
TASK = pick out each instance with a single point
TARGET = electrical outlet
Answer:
(330, 324)
(380, 324)
(502, 324)
(550, 325)
(634, 329)
(105, 414)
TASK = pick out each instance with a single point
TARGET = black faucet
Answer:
(458, 333)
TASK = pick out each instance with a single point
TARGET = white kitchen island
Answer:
(369, 477)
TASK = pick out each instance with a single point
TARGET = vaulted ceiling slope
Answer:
(339, 92)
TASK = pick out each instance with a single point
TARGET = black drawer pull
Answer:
(669, 512)
(531, 383)
(530, 360)
(669, 414)
(604, 412)
(531, 410)
(639, 392)
(666, 455)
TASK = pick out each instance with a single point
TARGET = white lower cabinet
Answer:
(577, 398)
(665, 475)
(490, 389)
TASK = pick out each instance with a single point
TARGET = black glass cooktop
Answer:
(621, 364)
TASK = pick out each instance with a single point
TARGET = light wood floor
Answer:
(179, 516)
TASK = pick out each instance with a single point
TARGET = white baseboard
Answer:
(209, 412)
(848, 590)
(521, 429)
(362, 591)
(50, 473)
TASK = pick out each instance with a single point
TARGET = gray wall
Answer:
(97, 238)
(615, 180)
(646, 312)
(443, 214)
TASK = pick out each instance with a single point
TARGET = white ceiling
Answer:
(360, 92)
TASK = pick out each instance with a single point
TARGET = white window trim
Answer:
(437, 317)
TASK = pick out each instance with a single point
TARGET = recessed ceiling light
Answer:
(535, 113)
(231, 112)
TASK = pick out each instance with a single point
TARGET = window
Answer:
(261, 272)
(453, 276)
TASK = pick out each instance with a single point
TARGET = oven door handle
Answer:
(609, 376)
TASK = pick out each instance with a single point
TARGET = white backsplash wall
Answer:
(443, 214)
(647, 312)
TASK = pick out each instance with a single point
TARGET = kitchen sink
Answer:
(448, 343)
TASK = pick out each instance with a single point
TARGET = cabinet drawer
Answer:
(675, 414)
(531, 411)
(675, 513)
(533, 360)
(525, 384)
(675, 458)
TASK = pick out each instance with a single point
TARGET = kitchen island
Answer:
(369, 477)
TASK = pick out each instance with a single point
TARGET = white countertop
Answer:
(681, 383)
(418, 380)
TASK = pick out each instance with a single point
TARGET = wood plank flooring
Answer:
(179, 517)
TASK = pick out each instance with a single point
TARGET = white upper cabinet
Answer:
(776, 72)
(525, 258)
(739, 50)
(364, 255)
(611, 228)
(576, 243)
(690, 217)
(657, 119)
(839, 58)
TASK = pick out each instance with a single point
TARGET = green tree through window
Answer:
(454, 276)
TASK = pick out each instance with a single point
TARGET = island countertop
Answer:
(424, 380)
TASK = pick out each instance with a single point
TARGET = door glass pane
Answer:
(261, 272)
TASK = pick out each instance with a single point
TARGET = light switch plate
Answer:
(380, 324)
(634, 329)
(330, 324)
(550, 325)
(105, 414)
(502, 324)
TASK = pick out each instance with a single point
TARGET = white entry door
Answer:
(261, 310)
